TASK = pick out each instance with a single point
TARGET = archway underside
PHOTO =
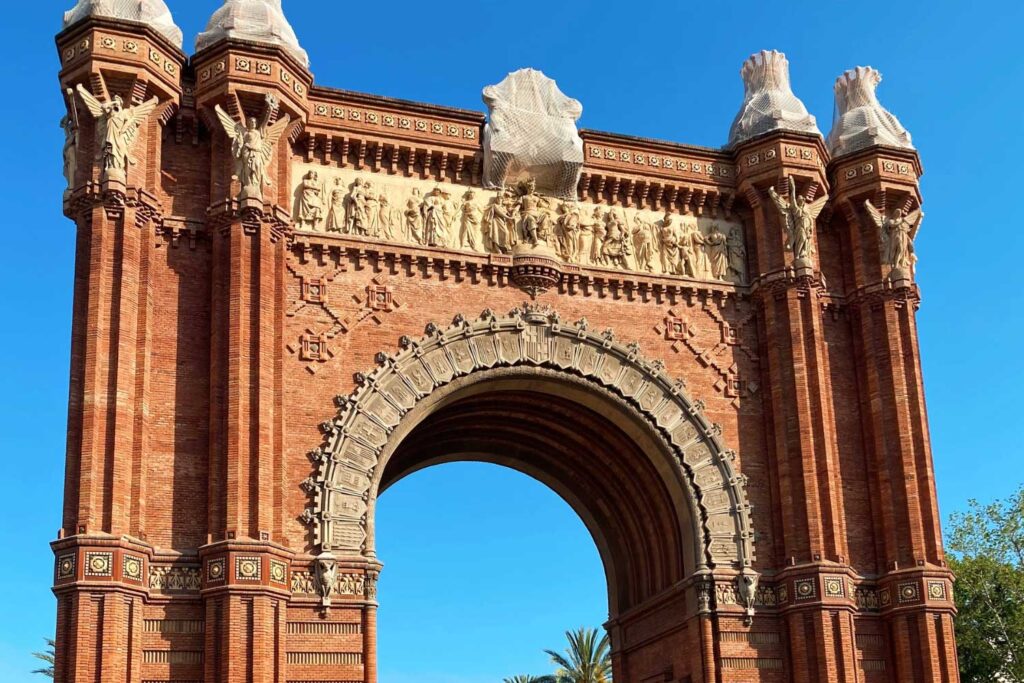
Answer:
(598, 469)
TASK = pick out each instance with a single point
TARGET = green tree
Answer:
(527, 678)
(586, 660)
(987, 555)
(47, 657)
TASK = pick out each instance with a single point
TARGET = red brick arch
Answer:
(653, 482)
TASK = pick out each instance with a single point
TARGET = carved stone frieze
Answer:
(343, 584)
(348, 467)
(519, 221)
(175, 579)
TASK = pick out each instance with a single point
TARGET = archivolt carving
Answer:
(348, 474)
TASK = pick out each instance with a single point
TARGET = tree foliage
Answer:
(47, 657)
(987, 555)
(586, 660)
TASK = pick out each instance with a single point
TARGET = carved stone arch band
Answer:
(358, 440)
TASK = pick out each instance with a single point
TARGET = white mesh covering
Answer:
(532, 131)
(260, 21)
(860, 120)
(153, 13)
(768, 101)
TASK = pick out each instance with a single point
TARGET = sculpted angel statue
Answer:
(252, 145)
(800, 216)
(69, 123)
(896, 233)
(117, 127)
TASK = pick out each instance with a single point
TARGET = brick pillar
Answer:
(101, 551)
(806, 477)
(246, 569)
(915, 583)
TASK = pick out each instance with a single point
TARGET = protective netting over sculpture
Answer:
(860, 119)
(532, 130)
(768, 101)
(153, 13)
(261, 21)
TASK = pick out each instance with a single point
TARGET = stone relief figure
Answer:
(598, 231)
(435, 219)
(310, 202)
(568, 231)
(117, 128)
(252, 146)
(500, 222)
(413, 218)
(388, 218)
(643, 244)
(717, 251)
(326, 577)
(896, 233)
(371, 210)
(69, 124)
(799, 216)
(695, 261)
(355, 208)
(469, 225)
(671, 250)
(615, 249)
(737, 253)
(531, 215)
(336, 208)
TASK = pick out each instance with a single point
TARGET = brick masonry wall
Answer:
(194, 406)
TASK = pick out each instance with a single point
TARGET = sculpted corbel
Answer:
(326, 576)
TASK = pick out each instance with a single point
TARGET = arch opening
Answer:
(611, 469)
(483, 554)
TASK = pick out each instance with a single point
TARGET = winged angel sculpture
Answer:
(800, 216)
(252, 146)
(896, 233)
(117, 127)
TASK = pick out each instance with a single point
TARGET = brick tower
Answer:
(711, 354)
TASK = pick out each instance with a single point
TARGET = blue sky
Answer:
(526, 569)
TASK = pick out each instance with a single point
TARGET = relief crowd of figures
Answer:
(578, 234)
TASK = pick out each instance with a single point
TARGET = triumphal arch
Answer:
(289, 296)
